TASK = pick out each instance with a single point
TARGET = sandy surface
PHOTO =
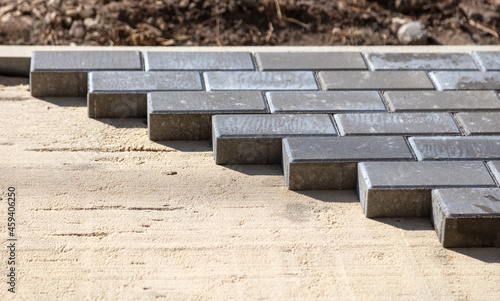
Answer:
(104, 213)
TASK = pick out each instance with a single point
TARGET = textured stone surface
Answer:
(373, 80)
(412, 33)
(331, 162)
(450, 101)
(310, 61)
(164, 61)
(488, 60)
(396, 189)
(256, 139)
(396, 124)
(271, 80)
(325, 102)
(420, 61)
(15, 66)
(465, 80)
(117, 105)
(480, 123)
(467, 217)
(456, 148)
(494, 167)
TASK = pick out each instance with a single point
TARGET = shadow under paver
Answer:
(480, 123)
(403, 189)
(488, 60)
(456, 148)
(467, 217)
(465, 80)
(199, 61)
(268, 61)
(375, 80)
(420, 61)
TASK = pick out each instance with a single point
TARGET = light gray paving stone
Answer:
(494, 167)
(420, 61)
(123, 94)
(198, 61)
(466, 218)
(465, 80)
(480, 123)
(188, 115)
(397, 189)
(449, 101)
(267, 80)
(325, 102)
(407, 124)
(456, 148)
(488, 60)
(310, 61)
(375, 80)
(64, 73)
(256, 139)
(15, 66)
(331, 162)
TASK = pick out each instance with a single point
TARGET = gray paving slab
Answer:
(448, 101)
(406, 124)
(331, 162)
(267, 80)
(479, 123)
(15, 66)
(310, 61)
(465, 80)
(199, 61)
(325, 102)
(420, 61)
(487, 60)
(397, 189)
(456, 148)
(375, 80)
(187, 115)
(494, 167)
(465, 218)
(256, 139)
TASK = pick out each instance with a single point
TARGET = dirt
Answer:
(244, 22)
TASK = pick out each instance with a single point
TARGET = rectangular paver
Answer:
(331, 162)
(465, 80)
(396, 189)
(310, 61)
(12, 65)
(494, 167)
(396, 124)
(188, 115)
(456, 148)
(64, 73)
(420, 61)
(167, 61)
(375, 80)
(480, 123)
(123, 94)
(325, 102)
(267, 80)
(488, 60)
(256, 139)
(466, 218)
(449, 101)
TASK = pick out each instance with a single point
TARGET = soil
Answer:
(244, 22)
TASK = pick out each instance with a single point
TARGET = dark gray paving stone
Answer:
(480, 123)
(15, 66)
(420, 61)
(465, 80)
(488, 60)
(466, 218)
(187, 115)
(494, 167)
(310, 61)
(397, 189)
(331, 162)
(268, 80)
(123, 94)
(375, 80)
(449, 101)
(325, 102)
(165, 61)
(256, 139)
(396, 124)
(456, 148)
(64, 73)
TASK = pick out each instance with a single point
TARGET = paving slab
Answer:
(494, 167)
(256, 139)
(267, 80)
(487, 60)
(123, 94)
(420, 61)
(479, 123)
(465, 218)
(375, 80)
(406, 124)
(199, 61)
(456, 148)
(397, 189)
(465, 80)
(188, 115)
(325, 102)
(331, 162)
(448, 101)
(64, 73)
(12, 65)
(268, 61)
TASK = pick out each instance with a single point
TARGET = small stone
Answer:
(413, 33)
(73, 13)
(77, 30)
(86, 12)
(91, 23)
